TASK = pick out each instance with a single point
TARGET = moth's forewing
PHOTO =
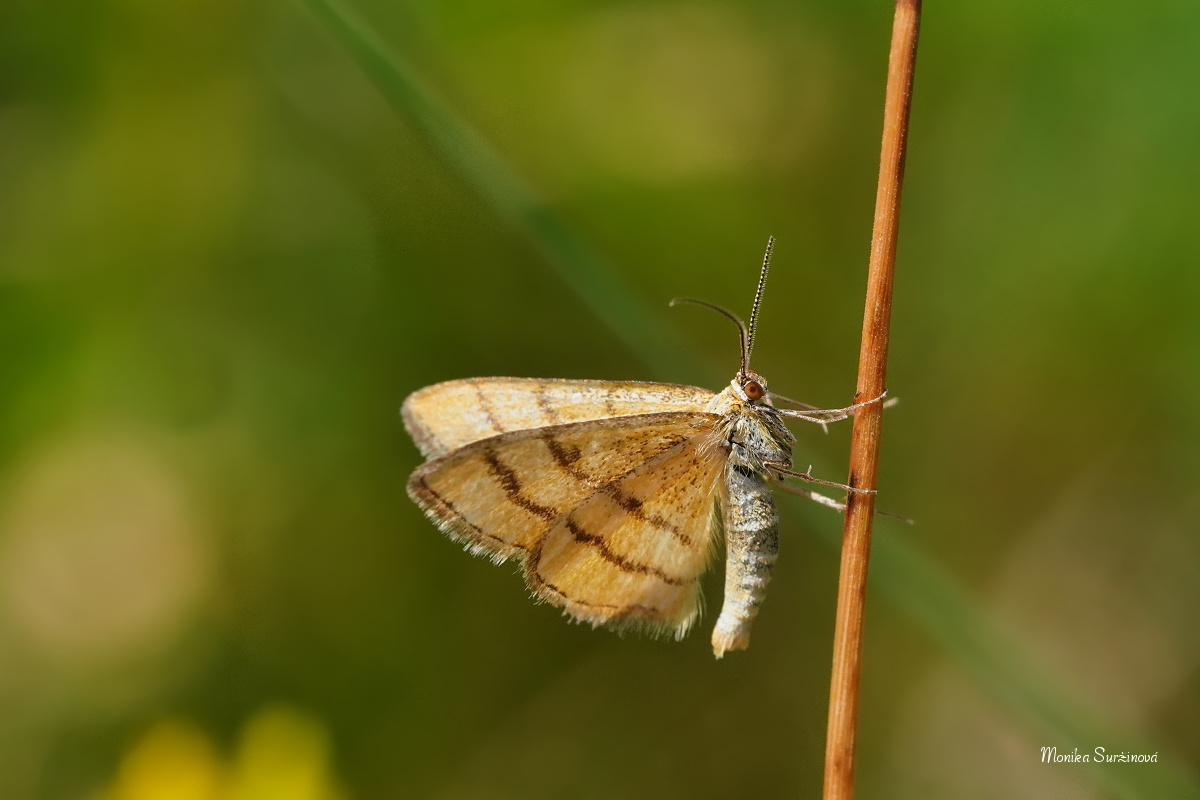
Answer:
(632, 553)
(446, 416)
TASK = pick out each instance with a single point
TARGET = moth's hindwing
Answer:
(633, 552)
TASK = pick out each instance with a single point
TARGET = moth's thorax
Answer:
(750, 430)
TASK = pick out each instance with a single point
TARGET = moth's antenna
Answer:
(743, 336)
(758, 293)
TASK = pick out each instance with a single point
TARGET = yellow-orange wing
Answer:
(612, 518)
(446, 416)
(633, 553)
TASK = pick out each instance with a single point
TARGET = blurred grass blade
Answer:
(635, 322)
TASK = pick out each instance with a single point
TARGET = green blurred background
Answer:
(227, 253)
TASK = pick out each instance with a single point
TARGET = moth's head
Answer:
(750, 387)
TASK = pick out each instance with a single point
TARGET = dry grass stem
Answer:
(864, 452)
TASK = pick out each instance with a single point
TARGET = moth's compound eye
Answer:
(754, 390)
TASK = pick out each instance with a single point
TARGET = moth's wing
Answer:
(611, 517)
(633, 552)
(446, 416)
(499, 495)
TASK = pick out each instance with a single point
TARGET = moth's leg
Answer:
(783, 398)
(821, 416)
(798, 403)
(824, 500)
(782, 469)
(816, 497)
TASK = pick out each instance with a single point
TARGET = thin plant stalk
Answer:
(864, 443)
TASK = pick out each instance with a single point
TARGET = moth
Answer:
(613, 495)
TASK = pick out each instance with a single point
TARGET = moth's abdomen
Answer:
(751, 546)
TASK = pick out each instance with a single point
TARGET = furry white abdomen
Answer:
(751, 548)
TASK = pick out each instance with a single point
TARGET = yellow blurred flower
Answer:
(283, 754)
(174, 760)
